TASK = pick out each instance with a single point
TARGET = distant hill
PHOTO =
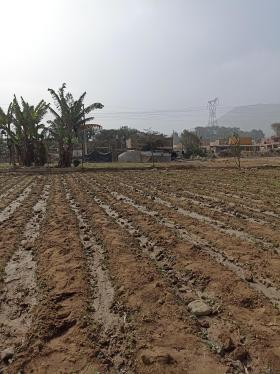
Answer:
(259, 116)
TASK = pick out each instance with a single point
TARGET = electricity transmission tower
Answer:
(212, 106)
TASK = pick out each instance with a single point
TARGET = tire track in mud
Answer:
(259, 283)
(163, 345)
(110, 323)
(19, 293)
(11, 229)
(183, 288)
(58, 340)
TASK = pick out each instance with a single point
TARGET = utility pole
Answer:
(85, 132)
(212, 106)
(83, 137)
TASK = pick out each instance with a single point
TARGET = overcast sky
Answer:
(152, 63)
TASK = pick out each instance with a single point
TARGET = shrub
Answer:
(193, 151)
(76, 162)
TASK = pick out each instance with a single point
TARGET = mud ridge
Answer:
(182, 282)
(219, 201)
(19, 293)
(222, 208)
(11, 208)
(110, 322)
(153, 279)
(10, 187)
(271, 292)
(219, 225)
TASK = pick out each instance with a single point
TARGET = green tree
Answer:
(153, 140)
(27, 120)
(23, 126)
(189, 139)
(69, 116)
(191, 144)
(113, 137)
(6, 120)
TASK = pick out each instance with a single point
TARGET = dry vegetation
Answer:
(99, 272)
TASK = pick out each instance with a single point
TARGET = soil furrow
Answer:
(140, 284)
(58, 341)
(151, 271)
(259, 283)
(109, 322)
(10, 209)
(213, 339)
(215, 206)
(19, 294)
(188, 184)
(238, 207)
(225, 226)
(15, 192)
(12, 229)
(182, 271)
(8, 184)
(247, 255)
(231, 308)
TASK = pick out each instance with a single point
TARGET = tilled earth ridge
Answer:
(140, 272)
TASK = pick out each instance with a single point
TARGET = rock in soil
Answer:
(226, 342)
(149, 359)
(239, 354)
(199, 308)
(7, 354)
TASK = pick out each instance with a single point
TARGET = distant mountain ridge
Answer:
(258, 116)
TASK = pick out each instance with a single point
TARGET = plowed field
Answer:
(140, 272)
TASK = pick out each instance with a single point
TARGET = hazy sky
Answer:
(152, 63)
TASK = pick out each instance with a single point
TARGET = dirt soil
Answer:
(149, 271)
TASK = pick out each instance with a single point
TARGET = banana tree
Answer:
(69, 116)
(23, 126)
(6, 120)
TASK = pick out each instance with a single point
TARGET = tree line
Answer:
(212, 133)
(27, 134)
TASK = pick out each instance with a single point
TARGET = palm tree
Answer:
(69, 117)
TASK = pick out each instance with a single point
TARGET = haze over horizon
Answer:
(153, 64)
